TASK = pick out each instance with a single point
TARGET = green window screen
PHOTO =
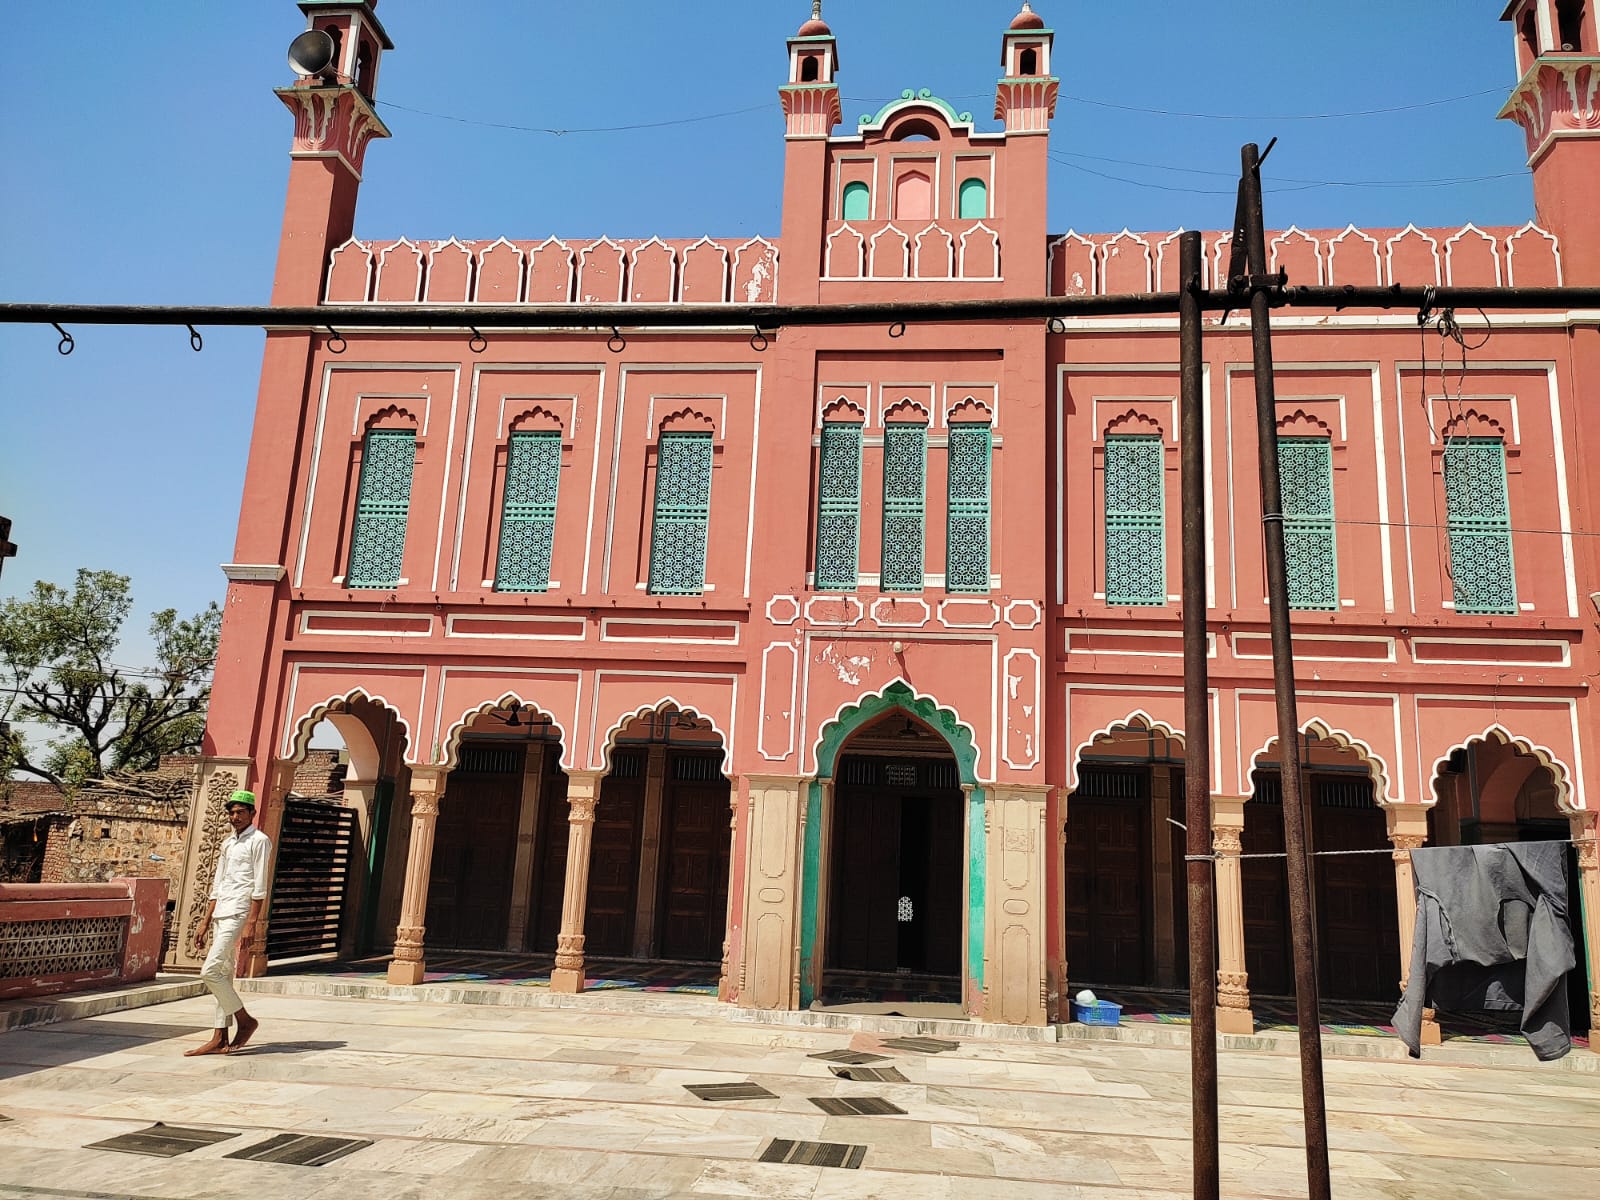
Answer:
(1479, 521)
(905, 468)
(857, 202)
(528, 518)
(682, 515)
(974, 200)
(1305, 465)
(839, 506)
(1136, 538)
(383, 500)
(966, 567)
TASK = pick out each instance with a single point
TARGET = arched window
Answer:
(913, 197)
(857, 202)
(974, 200)
(1028, 62)
(809, 69)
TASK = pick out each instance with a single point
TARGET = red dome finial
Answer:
(816, 27)
(1027, 18)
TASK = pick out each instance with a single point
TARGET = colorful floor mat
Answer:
(1277, 1014)
(511, 970)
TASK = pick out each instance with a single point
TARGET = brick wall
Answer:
(109, 836)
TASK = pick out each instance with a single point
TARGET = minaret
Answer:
(1557, 103)
(1026, 96)
(336, 61)
(811, 111)
(1025, 99)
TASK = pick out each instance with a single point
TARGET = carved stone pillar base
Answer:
(404, 973)
(1235, 1020)
(1430, 1029)
(566, 981)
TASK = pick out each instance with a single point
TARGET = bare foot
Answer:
(241, 1034)
(217, 1045)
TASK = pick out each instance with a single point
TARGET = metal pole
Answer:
(1199, 872)
(1302, 934)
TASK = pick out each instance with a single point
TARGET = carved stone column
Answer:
(215, 780)
(1233, 983)
(427, 790)
(1408, 830)
(527, 828)
(1585, 829)
(726, 989)
(252, 961)
(583, 790)
(1016, 945)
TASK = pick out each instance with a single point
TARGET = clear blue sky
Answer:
(144, 159)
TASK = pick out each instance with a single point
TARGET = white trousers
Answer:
(218, 971)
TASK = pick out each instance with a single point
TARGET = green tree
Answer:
(57, 670)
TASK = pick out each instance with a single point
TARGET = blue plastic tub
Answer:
(1101, 1012)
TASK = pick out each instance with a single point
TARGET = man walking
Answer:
(238, 892)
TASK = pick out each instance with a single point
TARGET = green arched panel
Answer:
(857, 202)
(974, 200)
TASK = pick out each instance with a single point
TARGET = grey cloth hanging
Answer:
(1492, 934)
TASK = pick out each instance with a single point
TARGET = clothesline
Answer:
(1586, 841)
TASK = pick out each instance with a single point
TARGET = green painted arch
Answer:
(898, 695)
(916, 98)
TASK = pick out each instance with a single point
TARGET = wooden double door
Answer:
(1353, 895)
(897, 900)
(475, 851)
(687, 876)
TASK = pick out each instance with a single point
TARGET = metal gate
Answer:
(315, 849)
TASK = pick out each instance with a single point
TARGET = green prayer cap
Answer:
(248, 799)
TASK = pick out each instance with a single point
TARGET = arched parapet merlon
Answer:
(1360, 264)
(979, 253)
(889, 252)
(1411, 258)
(449, 750)
(1462, 269)
(602, 273)
(1167, 251)
(1533, 258)
(846, 253)
(364, 745)
(1297, 252)
(1070, 265)
(653, 273)
(898, 694)
(1126, 264)
(500, 269)
(1217, 263)
(450, 265)
(1382, 775)
(552, 273)
(912, 106)
(400, 276)
(1560, 772)
(1135, 721)
(755, 272)
(933, 254)
(350, 271)
(703, 277)
(664, 705)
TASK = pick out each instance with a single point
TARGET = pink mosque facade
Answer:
(843, 659)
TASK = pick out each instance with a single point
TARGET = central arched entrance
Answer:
(896, 895)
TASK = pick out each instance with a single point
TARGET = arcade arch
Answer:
(1125, 900)
(1354, 904)
(1497, 788)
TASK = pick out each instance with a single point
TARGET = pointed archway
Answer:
(895, 810)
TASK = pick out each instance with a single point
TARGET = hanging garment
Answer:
(1492, 935)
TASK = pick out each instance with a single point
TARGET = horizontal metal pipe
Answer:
(343, 317)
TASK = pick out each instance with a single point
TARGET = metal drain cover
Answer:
(299, 1149)
(870, 1074)
(162, 1141)
(857, 1106)
(922, 1045)
(813, 1154)
(854, 1058)
(730, 1091)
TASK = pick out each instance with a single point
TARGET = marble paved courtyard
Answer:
(468, 1101)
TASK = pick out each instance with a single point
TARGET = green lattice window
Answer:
(528, 517)
(966, 567)
(839, 506)
(905, 470)
(1305, 466)
(1481, 566)
(383, 501)
(1136, 534)
(682, 515)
